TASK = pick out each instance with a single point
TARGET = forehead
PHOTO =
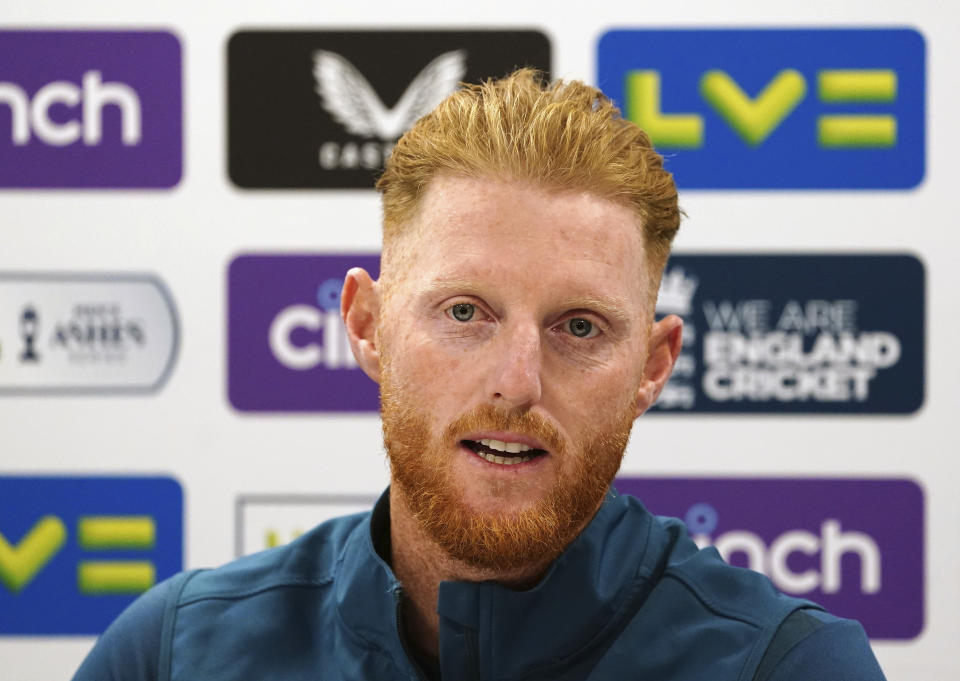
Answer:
(517, 230)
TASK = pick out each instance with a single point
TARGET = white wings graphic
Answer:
(352, 102)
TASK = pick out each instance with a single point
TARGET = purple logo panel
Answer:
(854, 546)
(287, 347)
(90, 109)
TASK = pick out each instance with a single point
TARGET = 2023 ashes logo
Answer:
(340, 100)
(82, 333)
(90, 109)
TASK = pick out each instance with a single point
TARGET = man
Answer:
(526, 228)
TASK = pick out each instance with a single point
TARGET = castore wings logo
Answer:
(350, 99)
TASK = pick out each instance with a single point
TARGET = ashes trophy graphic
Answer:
(29, 322)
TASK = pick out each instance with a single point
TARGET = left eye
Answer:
(580, 327)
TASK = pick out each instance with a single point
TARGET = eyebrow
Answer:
(443, 285)
(612, 308)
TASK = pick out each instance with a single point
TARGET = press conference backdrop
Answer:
(182, 190)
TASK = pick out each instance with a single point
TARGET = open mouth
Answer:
(506, 453)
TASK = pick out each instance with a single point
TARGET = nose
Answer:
(514, 380)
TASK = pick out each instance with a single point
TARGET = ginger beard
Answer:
(420, 464)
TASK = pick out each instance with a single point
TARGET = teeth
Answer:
(506, 461)
(509, 447)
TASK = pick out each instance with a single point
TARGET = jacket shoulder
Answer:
(309, 560)
(700, 617)
(813, 644)
(138, 645)
(130, 648)
(725, 590)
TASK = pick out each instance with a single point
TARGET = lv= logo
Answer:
(755, 119)
(22, 562)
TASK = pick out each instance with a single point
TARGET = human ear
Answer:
(360, 309)
(666, 339)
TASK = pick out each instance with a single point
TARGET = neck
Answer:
(420, 565)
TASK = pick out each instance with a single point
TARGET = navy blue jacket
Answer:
(631, 598)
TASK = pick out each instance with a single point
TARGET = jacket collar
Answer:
(577, 605)
(367, 592)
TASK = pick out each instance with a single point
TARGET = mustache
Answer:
(487, 417)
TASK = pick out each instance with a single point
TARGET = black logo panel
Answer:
(324, 109)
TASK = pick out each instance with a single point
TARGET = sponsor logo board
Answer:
(90, 109)
(264, 520)
(83, 333)
(76, 551)
(323, 109)
(796, 333)
(855, 546)
(287, 347)
(775, 108)
(763, 333)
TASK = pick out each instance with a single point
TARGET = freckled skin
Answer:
(527, 250)
(528, 260)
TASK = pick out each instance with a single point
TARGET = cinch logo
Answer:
(829, 546)
(74, 552)
(331, 351)
(94, 96)
(775, 108)
(339, 100)
(762, 335)
(287, 347)
(832, 541)
(90, 109)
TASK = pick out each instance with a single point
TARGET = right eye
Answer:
(462, 312)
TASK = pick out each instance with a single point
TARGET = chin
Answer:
(499, 502)
(502, 510)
